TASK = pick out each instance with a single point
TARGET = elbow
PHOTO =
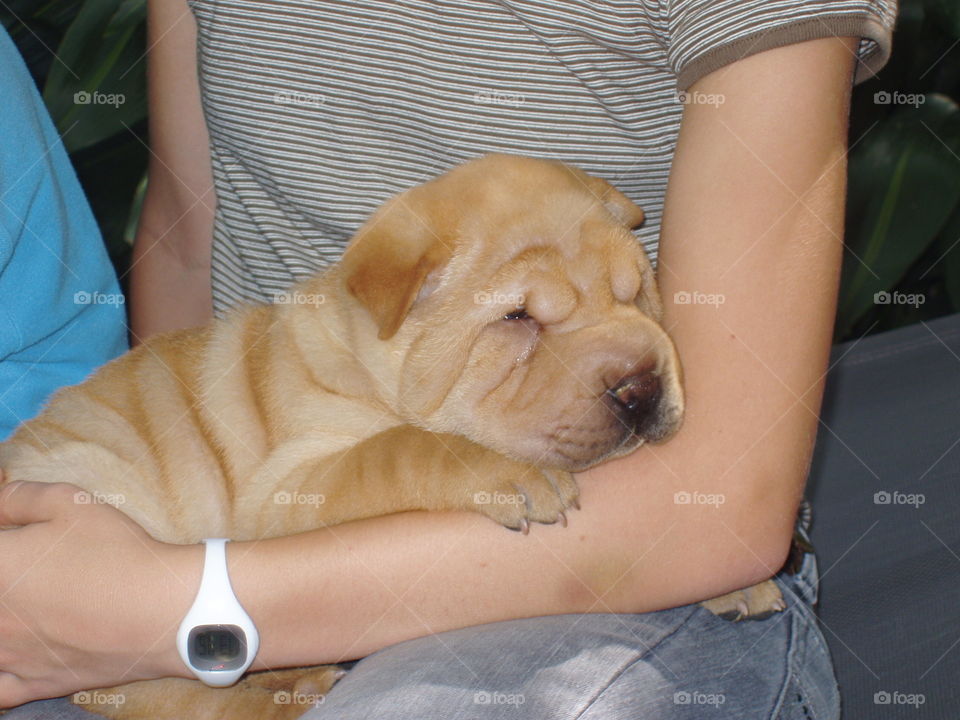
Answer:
(756, 549)
(177, 222)
(756, 533)
(688, 566)
(183, 241)
(761, 558)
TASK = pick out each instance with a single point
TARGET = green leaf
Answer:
(133, 218)
(904, 183)
(96, 83)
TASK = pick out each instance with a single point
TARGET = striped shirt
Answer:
(319, 111)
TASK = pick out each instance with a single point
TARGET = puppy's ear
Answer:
(619, 205)
(393, 259)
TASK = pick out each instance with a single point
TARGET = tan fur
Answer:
(387, 383)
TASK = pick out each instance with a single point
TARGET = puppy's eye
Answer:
(518, 314)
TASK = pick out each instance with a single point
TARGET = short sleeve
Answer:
(61, 309)
(705, 35)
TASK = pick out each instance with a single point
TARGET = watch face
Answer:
(217, 647)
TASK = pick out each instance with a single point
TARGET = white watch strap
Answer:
(217, 640)
(215, 576)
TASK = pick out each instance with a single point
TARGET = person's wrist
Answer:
(271, 579)
(173, 596)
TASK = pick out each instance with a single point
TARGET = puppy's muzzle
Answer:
(637, 401)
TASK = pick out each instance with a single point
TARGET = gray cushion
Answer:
(890, 562)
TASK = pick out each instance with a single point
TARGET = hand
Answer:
(87, 598)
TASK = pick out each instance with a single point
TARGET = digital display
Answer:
(217, 647)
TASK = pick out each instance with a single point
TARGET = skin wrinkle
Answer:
(522, 399)
(199, 417)
(143, 429)
(508, 376)
(538, 266)
(585, 445)
(449, 386)
(301, 358)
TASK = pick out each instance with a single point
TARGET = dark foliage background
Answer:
(902, 261)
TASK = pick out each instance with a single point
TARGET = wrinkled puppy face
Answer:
(525, 309)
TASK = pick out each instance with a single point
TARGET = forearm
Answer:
(353, 589)
(170, 272)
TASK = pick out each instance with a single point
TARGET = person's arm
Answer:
(170, 272)
(755, 214)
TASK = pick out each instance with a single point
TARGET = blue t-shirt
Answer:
(61, 310)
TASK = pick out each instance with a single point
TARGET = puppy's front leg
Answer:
(406, 468)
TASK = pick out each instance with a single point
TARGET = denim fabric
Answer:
(679, 663)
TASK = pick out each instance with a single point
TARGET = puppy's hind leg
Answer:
(753, 603)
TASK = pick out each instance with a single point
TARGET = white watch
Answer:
(217, 639)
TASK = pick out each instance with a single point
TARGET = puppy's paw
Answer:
(536, 495)
(753, 603)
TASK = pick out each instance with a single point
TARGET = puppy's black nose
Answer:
(636, 399)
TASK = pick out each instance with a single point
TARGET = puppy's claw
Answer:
(576, 503)
(545, 495)
(753, 603)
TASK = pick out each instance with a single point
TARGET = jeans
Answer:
(678, 663)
